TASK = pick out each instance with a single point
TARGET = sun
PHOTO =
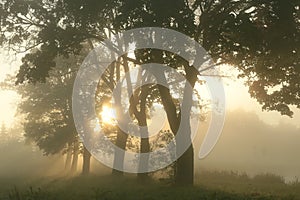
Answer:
(108, 115)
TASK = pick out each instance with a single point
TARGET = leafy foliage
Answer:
(47, 107)
(261, 38)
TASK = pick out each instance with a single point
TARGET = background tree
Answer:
(49, 120)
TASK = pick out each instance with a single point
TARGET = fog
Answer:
(247, 145)
(20, 159)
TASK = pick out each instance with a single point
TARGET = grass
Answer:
(211, 186)
(262, 184)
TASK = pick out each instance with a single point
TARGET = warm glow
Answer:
(8, 101)
(108, 115)
(8, 98)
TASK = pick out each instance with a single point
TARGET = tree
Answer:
(235, 32)
(49, 121)
(260, 38)
(140, 101)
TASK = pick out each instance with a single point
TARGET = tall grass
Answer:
(213, 186)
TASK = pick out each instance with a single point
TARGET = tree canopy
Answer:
(47, 109)
(261, 38)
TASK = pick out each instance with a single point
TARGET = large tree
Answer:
(260, 38)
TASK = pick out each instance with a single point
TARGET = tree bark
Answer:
(121, 136)
(75, 157)
(86, 162)
(144, 148)
(119, 156)
(144, 160)
(185, 168)
(145, 144)
(185, 164)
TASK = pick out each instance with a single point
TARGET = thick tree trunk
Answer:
(144, 148)
(144, 160)
(119, 156)
(185, 164)
(86, 162)
(185, 168)
(75, 157)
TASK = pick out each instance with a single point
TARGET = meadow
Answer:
(209, 185)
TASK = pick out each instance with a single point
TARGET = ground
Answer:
(209, 185)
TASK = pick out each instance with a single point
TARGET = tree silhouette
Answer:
(48, 117)
(260, 38)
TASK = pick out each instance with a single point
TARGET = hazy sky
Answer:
(237, 97)
(8, 99)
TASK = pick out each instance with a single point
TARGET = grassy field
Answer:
(209, 185)
(259, 185)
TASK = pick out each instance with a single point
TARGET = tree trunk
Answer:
(144, 160)
(68, 159)
(86, 162)
(144, 148)
(75, 157)
(185, 168)
(185, 164)
(119, 156)
(145, 144)
(121, 136)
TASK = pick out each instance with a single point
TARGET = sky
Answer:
(237, 96)
(8, 99)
